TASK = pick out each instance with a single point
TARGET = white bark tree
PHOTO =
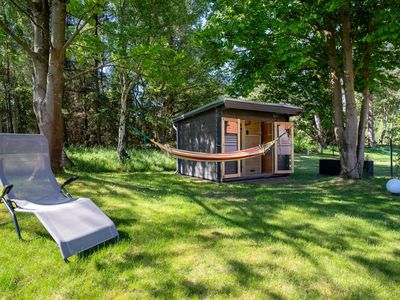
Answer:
(348, 127)
(49, 42)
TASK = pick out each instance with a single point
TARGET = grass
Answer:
(97, 160)
(315, 237)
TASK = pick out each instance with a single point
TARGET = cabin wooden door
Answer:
(267, 129)
(251, 137)
(284, 148)
(230, 142)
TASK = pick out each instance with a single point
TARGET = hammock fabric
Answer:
(217, 157)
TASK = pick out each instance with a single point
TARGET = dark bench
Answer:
(331, 167)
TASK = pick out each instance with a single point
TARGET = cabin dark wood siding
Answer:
(200, 133)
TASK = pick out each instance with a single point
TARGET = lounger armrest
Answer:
(69, 181)
(6, 190)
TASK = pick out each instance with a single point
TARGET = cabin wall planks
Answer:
(203, 130)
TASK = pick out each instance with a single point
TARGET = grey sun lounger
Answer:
(29, 186)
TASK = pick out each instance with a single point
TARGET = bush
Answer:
(303, 142)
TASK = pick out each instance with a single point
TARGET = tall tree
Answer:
(346, 38)
(153, 61)
(48, 21)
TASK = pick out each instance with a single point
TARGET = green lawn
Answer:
(315, 237)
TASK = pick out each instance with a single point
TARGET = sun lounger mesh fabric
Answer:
(25, 163)
(75, 224)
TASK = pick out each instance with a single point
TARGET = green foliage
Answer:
(275, 51)
(187, 53)
(151, 45)
(303, 143)
(15, 90)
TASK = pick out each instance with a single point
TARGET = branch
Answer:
(75, 33)
(79, 27)
(138, 70)
(87, 71)
(29, 16)
(136, 80)
(18, 40)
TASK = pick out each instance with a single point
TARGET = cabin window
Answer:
(284, 155)
(231, 142)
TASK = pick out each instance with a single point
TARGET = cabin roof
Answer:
(231, 103)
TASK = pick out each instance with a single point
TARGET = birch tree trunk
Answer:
(127, 86)
(320, 132)
(121, 149)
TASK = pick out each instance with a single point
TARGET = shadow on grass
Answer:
(243, 272)
(256, 211)
(389, 268)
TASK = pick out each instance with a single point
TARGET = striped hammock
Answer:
(217, 157)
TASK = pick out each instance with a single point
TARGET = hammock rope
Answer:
(214, 157)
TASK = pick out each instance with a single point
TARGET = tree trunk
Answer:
(48, 56)
(86, 129)
(350, 165)
(41, 47)
(122, 154)
(365, 106)
(7, 94)
(362, 126)
(371, 123)
(385, 119)
(8, 108)
(99, 87)
(127, 86)
(66, 160)
(49, 84)
(320, 132)
(16, 115)
(336, 87)
(392, 115)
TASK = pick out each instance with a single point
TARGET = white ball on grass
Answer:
(393, 186)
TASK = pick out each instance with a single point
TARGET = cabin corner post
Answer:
(239, 162)
(176, 126)
(222, 146)
(218, 141)
(292, 138)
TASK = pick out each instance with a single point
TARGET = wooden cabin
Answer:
(230, 124)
